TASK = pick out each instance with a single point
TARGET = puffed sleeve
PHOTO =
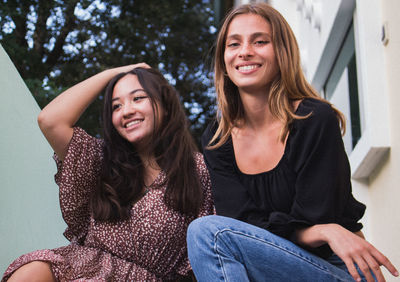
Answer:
(323, 191)
(207, 208)
(231, 198)
(77, 176)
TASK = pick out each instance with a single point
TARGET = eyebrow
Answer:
(253, 35)
(130, 93)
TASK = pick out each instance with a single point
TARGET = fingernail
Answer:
(359, 279)
(396, 273)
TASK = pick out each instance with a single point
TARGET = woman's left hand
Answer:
(353, 249)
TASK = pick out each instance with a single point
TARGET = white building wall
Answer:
(320, 27)
(376, 158)
(383, 185)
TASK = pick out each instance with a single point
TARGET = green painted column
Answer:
(30, 216)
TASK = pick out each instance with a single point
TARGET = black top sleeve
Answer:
(323, 185)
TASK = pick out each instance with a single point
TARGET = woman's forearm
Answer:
(67, 107)
(57, 119)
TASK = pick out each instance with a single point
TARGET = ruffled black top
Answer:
(310, 185)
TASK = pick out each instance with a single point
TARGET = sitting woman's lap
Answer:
(225, 249)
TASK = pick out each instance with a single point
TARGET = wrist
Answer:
(326, 231)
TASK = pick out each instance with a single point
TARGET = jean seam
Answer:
(219, 256)
(320, 267)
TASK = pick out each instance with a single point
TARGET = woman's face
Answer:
(249, 54)
(132, 110)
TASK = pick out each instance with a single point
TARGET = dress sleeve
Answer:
(323, 191)
(207, 208)
(231, 198)
(77, 175)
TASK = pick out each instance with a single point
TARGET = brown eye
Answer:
(115, 106)
(261, 42)
(137, 98)
(233, 44)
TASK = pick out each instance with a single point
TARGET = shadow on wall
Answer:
(30, 216)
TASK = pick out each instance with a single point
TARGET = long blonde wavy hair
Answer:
(290, 84)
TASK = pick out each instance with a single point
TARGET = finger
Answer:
(374, 266)
(364, 268)
(383, 260)
(142, 65)
(352, 269)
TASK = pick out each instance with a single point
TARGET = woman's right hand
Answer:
(58, 118)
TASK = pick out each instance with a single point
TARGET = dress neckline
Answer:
(232, 151)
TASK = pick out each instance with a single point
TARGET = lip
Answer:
(248, 67)
(136, 122)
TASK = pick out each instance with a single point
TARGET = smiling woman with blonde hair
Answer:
(280, 175)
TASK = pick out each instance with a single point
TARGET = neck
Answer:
(151, 169)
(256, 110)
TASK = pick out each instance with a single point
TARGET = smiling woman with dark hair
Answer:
(128, 199)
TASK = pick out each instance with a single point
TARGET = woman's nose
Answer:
(128, 109)
(246, 50)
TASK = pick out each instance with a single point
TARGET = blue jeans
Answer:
(225, 249)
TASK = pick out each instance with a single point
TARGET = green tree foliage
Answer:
(55, 44)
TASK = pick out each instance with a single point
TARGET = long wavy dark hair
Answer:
(122, 179)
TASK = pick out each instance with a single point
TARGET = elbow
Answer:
(44, 121)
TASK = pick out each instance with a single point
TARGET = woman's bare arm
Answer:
(57, 119)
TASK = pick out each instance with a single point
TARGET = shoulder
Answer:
(320, 113)
(209, 133)
(321, 124)
(315, 107)
(217, 158)
(202, 170)
(200, 164)
(199, 159)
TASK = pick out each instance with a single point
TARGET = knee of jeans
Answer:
(201, 229)
(196, 227)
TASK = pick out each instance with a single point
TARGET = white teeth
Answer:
(247, 68)
(132, 123)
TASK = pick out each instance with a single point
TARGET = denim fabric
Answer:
(225, 249)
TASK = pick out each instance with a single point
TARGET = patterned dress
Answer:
(149, 246)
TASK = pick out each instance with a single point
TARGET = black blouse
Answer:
(310, 185)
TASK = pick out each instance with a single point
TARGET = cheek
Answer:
(229, 66)
(227, 58)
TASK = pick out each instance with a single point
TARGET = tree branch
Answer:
(70, 23)
(40, 35)
(20, 20)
